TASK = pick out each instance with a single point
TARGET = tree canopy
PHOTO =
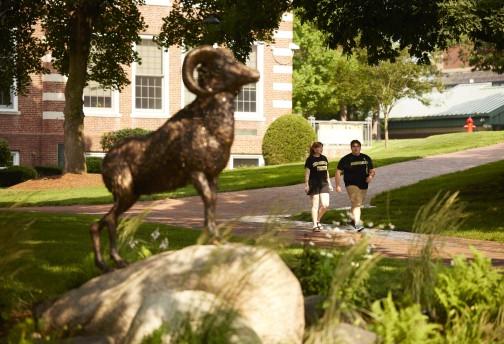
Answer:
(20, 49)
(240, 23)
(384, 28)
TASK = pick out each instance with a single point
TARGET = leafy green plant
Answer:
(5, 154)
(45, 171)
(287, 139)
(348, 293)
(110, 139)
(443, 212)
(405, 325)
(16, 174)
(94, 164)
(471, 295)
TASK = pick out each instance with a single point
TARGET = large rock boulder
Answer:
(129, 304)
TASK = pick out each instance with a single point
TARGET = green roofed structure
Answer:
(449, 110)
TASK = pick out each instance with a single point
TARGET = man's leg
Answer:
(324, 204)
(355, 195)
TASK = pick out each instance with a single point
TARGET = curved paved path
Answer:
(291, 199)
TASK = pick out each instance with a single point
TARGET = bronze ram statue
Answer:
(192, 146)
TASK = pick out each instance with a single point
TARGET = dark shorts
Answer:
(316, 189)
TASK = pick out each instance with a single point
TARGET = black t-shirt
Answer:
(355, 169)
(318, 169)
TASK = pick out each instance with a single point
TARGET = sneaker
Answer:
(359, 228)
(320, 226)
(316, 228)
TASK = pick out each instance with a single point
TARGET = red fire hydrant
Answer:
(469, 125)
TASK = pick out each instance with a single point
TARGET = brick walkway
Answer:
(188, 212)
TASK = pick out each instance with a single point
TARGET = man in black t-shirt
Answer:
(358, 171)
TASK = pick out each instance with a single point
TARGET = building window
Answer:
(100, 102)
(245, 162)
(5, 99)
(149, 77)
(8, 101)
(15, 158)
(245, 132)
(246, 101)
(61, 155)
(95, 96)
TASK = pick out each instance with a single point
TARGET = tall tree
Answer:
(326, 83)
(89, 40)
(391, 81)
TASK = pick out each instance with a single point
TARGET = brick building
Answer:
(33, 124)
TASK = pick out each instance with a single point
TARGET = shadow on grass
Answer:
(57, 255)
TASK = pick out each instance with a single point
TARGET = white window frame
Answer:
(245, 156)
(257, 116)
(112, 111)
(12, 110)
(152, 113)
(158, 2)
(16, 158)
(95, 154)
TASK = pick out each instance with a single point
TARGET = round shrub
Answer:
(47, 171)
(110, 139)
(94, 164)
(5, 154)
(16, 174)
(287, 139)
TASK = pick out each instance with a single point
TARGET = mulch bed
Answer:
(66, 181)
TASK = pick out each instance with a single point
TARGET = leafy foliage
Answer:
(441, 213)
(5, 154)
(471, 295)
(405, 325)
(20, 50)
(241, 23)
(287, 139)
(16, 174)
(113, 28)
(384, 28)
(94, 164)
(45, 171)
(110, 139)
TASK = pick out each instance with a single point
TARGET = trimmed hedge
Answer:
(16, 174)
(287, 139)
(5, 154)
(110, 139)
(47, 171)
(94, 164)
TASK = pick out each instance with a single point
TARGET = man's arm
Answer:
(372, 173)
(337, 180)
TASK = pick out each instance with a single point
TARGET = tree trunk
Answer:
(375, 131)
(343, 112)
(385, 127)
(79, 47)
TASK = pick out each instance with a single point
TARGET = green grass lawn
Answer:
(481, 190)
(264, 177)
(44, 255)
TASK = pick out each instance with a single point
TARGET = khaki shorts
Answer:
(356, 195)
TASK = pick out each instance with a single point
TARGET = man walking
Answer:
(358, 171)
